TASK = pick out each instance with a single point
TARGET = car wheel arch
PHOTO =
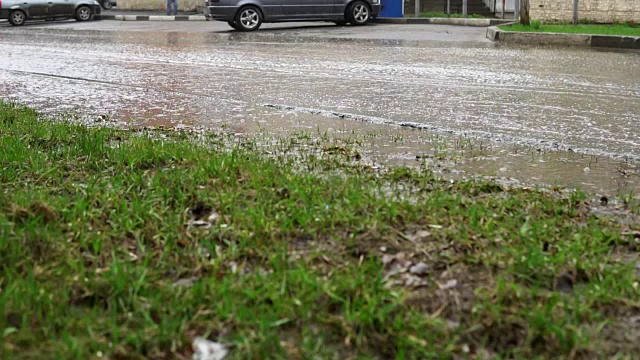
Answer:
(17, 7)
(24, 11)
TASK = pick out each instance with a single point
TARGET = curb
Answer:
(443, 21)
(562, 39)
(151, 17)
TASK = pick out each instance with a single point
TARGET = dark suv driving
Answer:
(248, 15)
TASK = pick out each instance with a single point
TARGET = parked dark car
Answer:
(108, 4)
(19, 11)
(248, 15)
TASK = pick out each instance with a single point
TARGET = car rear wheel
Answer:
(249, 18)
(17, 18)
(232, 24)
(359, 13)
(107, 5)
(84, 13)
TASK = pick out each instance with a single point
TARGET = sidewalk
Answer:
(145, 15)
(443, 21)
(115, 11)
(159, 15)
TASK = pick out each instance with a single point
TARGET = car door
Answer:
(36, 8)
(340, 7)
(272, 9)
(61, 7)
(307, 8)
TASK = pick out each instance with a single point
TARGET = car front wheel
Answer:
(17, 18)
(249, 18)
(359, 13)
(84, 13)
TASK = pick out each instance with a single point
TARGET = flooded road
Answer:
(524, 102)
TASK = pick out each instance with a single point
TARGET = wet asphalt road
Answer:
(318, 29)
(447, 79)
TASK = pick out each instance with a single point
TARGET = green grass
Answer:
(620, 29)
(444, 15)
(279, 257)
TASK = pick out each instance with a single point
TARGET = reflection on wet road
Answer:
(584, 100)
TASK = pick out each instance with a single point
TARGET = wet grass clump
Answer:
(131, 244)
(592, 29)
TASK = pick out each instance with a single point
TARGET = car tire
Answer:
(107, 5)
(17, 18)
(248, 18)
(233, 25)
(359, 13)
(84, 13)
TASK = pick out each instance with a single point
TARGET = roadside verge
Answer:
(563, 39)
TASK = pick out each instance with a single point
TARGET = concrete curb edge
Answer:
(442, 21)
(563, 39)
(151, 17)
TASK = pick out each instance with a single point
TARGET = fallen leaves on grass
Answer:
(37, 209)
(208, 350)
(450, 284)
(402, 271)
(202, 217)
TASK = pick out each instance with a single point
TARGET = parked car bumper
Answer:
(375, 10)
(222, 13)
(96, 9)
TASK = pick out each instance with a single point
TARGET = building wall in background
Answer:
(603, 11)
(158, 5)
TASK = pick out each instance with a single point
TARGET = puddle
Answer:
(456, 156)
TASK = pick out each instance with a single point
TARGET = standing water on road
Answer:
(541, 115)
